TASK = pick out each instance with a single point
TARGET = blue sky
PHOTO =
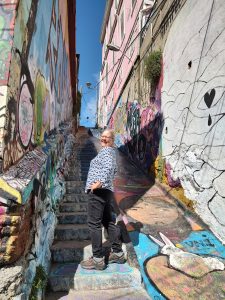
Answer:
(88, 28)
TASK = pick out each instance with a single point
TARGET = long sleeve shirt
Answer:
(102, 168)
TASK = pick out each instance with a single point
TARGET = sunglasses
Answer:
(105, 137)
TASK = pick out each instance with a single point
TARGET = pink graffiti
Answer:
(172, 182)
(25, 115)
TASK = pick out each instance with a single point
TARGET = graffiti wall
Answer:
(35, 119)
(177, 135)
(7, 19)
(178, 256)
(193, 105)
(39, 95)
(138, 126)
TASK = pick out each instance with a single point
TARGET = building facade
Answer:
(120, 38)
(175, 132)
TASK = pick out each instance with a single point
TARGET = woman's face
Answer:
(106, 139)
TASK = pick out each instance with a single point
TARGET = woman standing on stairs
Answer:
(99, 186)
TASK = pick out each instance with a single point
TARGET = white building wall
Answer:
(193, 107)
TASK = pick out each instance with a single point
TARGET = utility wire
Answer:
(151, 15)
(146, 51)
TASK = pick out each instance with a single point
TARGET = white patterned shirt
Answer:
(102, 168)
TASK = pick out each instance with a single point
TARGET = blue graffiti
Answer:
(204, 243)
(145, 249)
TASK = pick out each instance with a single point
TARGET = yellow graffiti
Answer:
(41, 109)
(7, 188)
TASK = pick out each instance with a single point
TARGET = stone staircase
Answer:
(72, 244)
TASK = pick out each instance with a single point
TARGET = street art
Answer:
(41, 110)
(193, 95)
(36, 178)
(25, 113)
(44, 99)
(36, 98)
(179, 257)
(138, 131)
(3, 92)
(7, 17)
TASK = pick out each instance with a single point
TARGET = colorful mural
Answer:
(35, 102)
(7, 19)
(38, 176)
(44, 98)
(179, 257)
(175, 136)
(138, 129)
(193, 95)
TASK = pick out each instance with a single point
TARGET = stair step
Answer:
(118, 294)
(64, 277)
(72, 217)
(76, 198)
(73, 207)
(82, 177)
(56, 295)
(70, 251)
(76, 161)
(73, 177)
(67, 232)
(75, 251)
(74, 189)
(75, 183)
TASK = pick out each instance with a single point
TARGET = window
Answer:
(110, 24)
(120, 77)
(122, 26)
(116, 4)
(131, 49)
(106, 74)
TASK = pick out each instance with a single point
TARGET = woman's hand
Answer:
(96, 185)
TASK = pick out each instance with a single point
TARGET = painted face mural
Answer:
(25, 113)
(193, 95)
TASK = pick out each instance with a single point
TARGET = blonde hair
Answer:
(111, 131)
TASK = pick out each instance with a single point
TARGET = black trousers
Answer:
(100, 208)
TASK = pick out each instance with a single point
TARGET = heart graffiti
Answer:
(208, 98)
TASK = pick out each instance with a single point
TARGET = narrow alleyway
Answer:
(72, 243)
(153, 218)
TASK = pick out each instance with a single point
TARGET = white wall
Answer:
(193, 107)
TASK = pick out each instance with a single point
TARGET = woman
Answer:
(99, 186)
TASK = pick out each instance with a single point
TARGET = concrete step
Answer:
(76, 198)
(67, 232)
(75, 251)
(82, 166)
(112, 294)
(70, 251)
(55, 295)
(76, 161)
(75, 183)
(76, 177)
(72, 217)
(73, 177)
(64, 277)
(72, 207)
(86, 156)
(75, 190)
(76, 173)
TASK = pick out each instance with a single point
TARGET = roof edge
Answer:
(105, 19)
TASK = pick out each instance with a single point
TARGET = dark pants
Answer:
(100, 213)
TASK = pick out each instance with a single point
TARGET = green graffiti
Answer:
(39, 96)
